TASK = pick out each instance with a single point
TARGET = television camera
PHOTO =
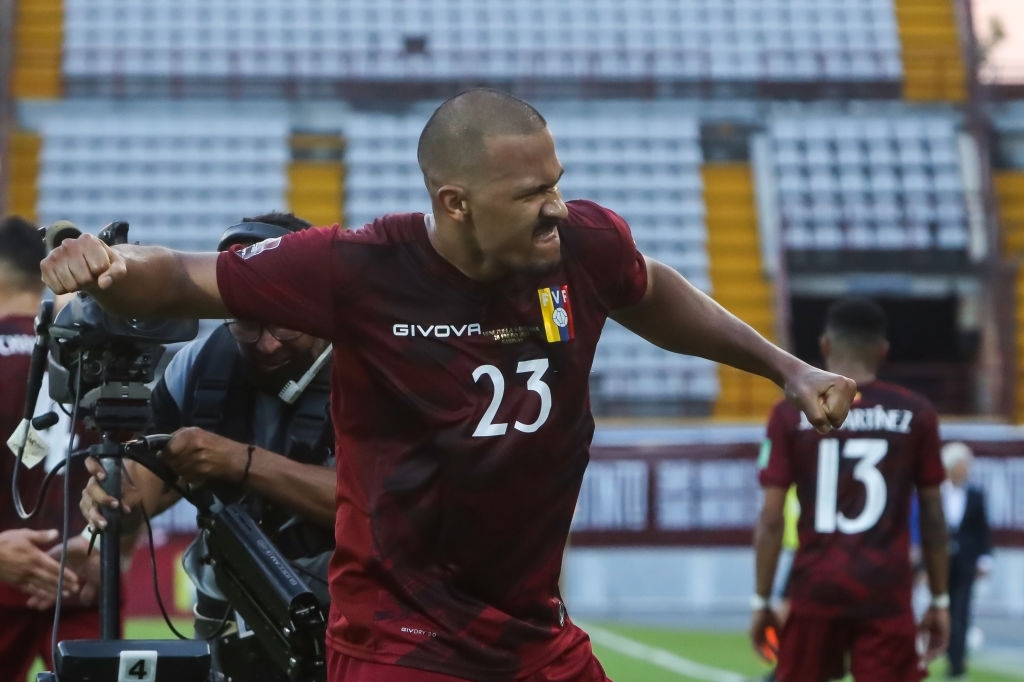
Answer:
(102, 365)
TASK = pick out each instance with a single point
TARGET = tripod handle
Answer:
(110, 555)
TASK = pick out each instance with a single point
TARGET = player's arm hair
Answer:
(934, 539)
(677, 316)
(163, 282)
(768, 532)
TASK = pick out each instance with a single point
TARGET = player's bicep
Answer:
(773, 508)
(200, 294)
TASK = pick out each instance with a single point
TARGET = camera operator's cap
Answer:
(249, 233)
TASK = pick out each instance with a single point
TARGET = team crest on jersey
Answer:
(557, 313)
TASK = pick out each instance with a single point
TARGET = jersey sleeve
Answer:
(930, 471)
(609, 254)
(286, 281)
(774, 460)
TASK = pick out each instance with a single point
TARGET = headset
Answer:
(249, 233)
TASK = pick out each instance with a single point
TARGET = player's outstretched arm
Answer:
(136, 280)
(677, 316)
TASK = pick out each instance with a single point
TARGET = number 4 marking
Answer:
(536, 368)
(137, 666)
(870, 452)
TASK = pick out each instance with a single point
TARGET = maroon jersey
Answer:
(463, 429)
(855, 487)
(17, 336)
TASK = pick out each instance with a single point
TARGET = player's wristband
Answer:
(759, 603)
(940, 601)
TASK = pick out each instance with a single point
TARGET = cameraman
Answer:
(232, 401)
(30, 550)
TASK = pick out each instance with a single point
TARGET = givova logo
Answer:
(436, 331)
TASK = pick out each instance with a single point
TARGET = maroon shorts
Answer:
(25, 635)
(577, 664)
(816, 649)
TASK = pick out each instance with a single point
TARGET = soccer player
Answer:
(463, 342)
(30, 550)
(851, 580)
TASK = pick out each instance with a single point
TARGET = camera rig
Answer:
(102, 364)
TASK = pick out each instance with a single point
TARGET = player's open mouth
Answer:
(546, 233)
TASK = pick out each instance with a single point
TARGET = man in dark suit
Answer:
(970, 551)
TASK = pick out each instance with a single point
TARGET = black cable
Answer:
(67, 522)
(152, 567)
(84, 452)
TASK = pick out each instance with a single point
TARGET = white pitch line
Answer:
(660, 657)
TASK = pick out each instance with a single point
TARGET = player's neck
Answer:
(18, 303)
(856, 371)
(462, 253)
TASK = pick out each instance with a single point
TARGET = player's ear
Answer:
(883, 350)
(453, 200)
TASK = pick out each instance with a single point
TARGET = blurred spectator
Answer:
(970, 548)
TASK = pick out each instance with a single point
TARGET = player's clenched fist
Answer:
(82, 263)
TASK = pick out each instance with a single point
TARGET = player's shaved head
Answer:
(856, 327)
(453, 141)
(856, 320)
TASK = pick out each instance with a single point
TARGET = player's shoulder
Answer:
(784, 412)
(784, 407)
(392, 228)
(590, 227)
(17, 324)
(589, 214)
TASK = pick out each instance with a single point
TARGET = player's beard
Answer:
(272, 381)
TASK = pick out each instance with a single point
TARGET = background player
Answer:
(851, 581)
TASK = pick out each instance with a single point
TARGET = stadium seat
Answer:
(866, 183)
(177, 179)
(770, 40)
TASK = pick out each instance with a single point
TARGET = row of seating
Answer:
(871, 183)
(177, 179)
(829, 40)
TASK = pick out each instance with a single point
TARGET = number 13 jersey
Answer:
(463, 427)
(855, 486)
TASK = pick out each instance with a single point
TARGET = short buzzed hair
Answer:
(453, 139)
(21, 250)
(856, 320)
